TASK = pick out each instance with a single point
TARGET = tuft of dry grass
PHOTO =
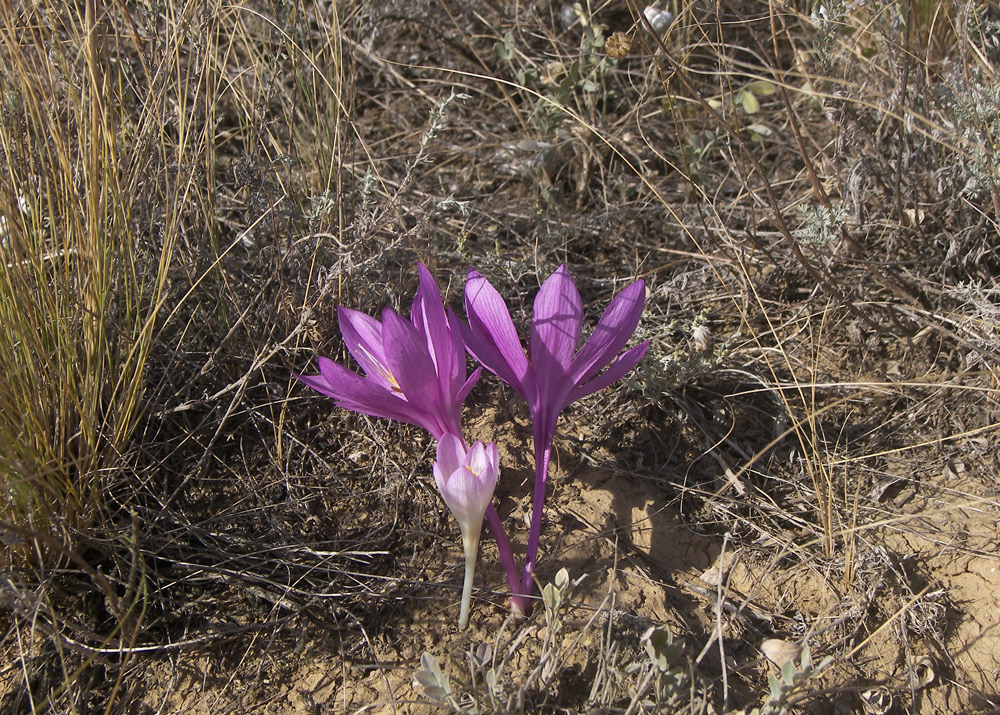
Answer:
(81, 288)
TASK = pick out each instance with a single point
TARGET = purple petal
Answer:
(363, 338)
(475, 459)
(493, 457)
(467, 498)
(467, 490)
(450, 454)
(353, 392)
(407, 357)
(491, 336)
(458, 373)
(556, 321)
(464, 391)
(411, 364)
(619, 368)
(428, 315)
(613, 331)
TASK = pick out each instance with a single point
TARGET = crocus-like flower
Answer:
(556, 374)
(415, 373)
(466, 480)
(415, 369)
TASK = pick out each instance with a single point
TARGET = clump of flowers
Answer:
(415, 372)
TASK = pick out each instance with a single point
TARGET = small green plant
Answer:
(436, 685)
(556, 596)
(975, 108)
(664, 681)
(568, 82)
(821, 225)
(792, 680)
(748, 98)
(567, 96)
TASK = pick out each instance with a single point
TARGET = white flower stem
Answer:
(471, 552)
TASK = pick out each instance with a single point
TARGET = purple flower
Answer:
(556, 373)
(415, 370)
(414, 373)
(466, 479)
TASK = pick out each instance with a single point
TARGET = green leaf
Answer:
(660, 647)
(761, 88)
(788, 672)
(774, 686)
(483, 653)
(760, 129)
(562, 579)
(750, 103)
(425, 679)
(551, 597)
(435, 692)
(505, 50)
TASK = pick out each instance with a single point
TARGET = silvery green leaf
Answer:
(551, 597)
(761, 87)
(775, 686)
(788, 672)
(561, 579)
(484, 652)
(435, 692)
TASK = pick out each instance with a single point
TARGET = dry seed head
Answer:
(618, 45)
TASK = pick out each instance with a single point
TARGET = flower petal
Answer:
(408, 358)
(464, 391)
(468, 489)
(618, 369)
(491, 336)
(556, 321)
(613, 331)
(363, 338)
(467, 498)
(458, 373)
(411, 365)
(429, 317)
(475, 458)
(450, 454)
(353, 392)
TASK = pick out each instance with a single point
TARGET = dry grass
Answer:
(190, 188)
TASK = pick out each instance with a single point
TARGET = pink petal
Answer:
(613, 331)
(464, 391)
(466, 498)
(491, 336)
(458, 373)
(450, 453)
(428, 315)
(556, 321)
(356, 393)
(475, 458)
(411, 364)
(619, 368)
(363, 338)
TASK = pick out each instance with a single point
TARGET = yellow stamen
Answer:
(382, 369)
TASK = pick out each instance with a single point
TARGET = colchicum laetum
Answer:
(415, 372)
